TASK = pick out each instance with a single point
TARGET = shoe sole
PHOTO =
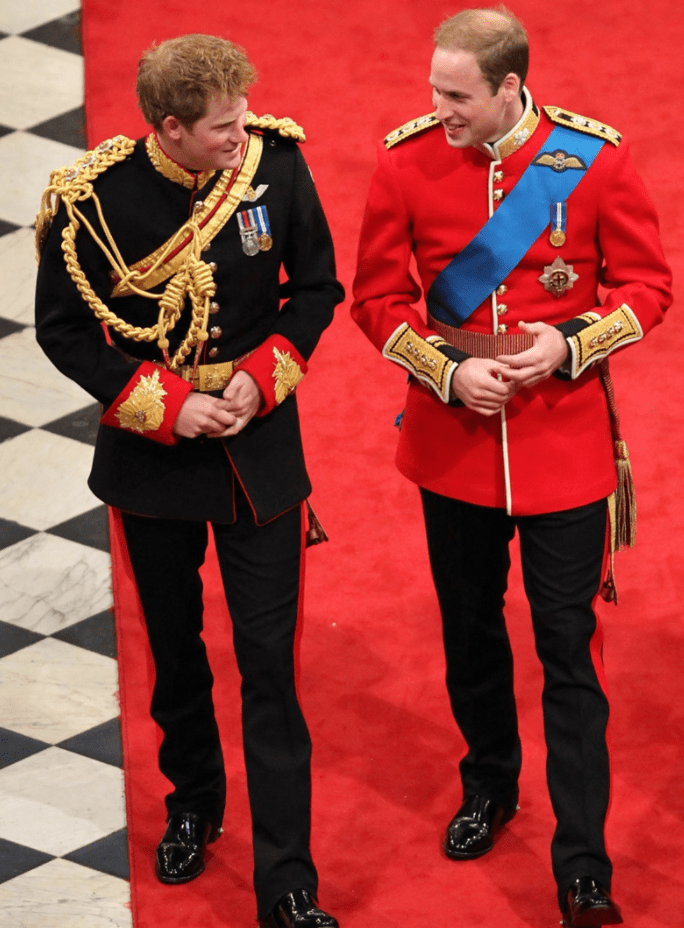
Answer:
(593, 919)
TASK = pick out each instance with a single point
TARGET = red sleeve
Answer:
(149, 404)
(277, 367)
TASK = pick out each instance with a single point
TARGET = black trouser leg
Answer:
(468, 547)
(261, 568)
(166, 556)
(562, 556)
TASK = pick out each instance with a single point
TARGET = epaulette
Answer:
(410, 128)
(286, 127)
(72, 182)
(591, 126)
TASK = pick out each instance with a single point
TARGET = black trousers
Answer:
(562, 556)
(260, 568)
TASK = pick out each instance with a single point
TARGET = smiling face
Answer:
(464, 103)
(213, 143)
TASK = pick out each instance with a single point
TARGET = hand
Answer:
(476, 382)
(243, 398)
(202, 414)
(547, 354)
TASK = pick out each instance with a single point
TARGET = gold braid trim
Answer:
(190, 276)
(286, 127)
(421, 358)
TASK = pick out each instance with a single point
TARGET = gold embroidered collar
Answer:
(521, 132)
(171, 169)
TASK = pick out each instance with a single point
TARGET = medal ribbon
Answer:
(507, 236)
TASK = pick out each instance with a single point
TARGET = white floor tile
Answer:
(49, 583)
(57, 801)
(18, 274)
(44, 481)
(53, 690)
(18, 17)
(32, 390)
(30, 158)
(61, 894)
(45, 82)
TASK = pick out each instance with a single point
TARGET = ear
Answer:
(511, 86)
(171, 127)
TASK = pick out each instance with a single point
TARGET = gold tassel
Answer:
(315, 534)
(625, 509)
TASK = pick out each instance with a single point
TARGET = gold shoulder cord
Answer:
(193, 279)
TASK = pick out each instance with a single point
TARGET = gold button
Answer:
(498, 176)
(501, 289)
(213, 267)
(502, 329)
(213, 352)
(498, 195)
(502, 309)
(198, 206)
(214, 307)
(207, 247)
(216, 331)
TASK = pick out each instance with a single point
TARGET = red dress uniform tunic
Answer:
(551, 448)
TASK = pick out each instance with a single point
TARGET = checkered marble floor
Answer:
(63, 856)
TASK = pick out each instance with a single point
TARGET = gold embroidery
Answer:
(519, 134)
(214, 376)
(153, 270)
(143, 411)
(619, 328)
(410, 128)
(583, 124)
(287, 374)
(286, 127)
(171, 169)
(421, 358)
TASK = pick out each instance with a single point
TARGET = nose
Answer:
(440, 105)
(239, 136)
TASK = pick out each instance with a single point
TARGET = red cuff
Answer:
(277, 367)
(149, 404)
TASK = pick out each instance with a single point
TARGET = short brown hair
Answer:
(496, 38)
(178, 77)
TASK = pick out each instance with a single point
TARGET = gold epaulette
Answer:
(74, 182)
(583, 124)
(286, 127)
(410, 128)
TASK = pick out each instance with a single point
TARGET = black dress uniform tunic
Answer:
(251, 486)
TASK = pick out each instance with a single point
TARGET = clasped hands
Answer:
(220, 417)
(485, 385)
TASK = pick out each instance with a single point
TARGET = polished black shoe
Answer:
(180, 855)
(587, 905)
(298, 909)
(472, 830)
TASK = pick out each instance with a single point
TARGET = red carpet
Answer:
(385, 746)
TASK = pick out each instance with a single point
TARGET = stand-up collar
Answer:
(519, 134)
(193, 180)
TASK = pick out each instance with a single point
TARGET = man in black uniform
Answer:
(159, 292)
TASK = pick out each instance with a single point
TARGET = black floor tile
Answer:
(101, 743)
(12, 532)
(90, 528)
(64, 33)
(94, 634)
(81, 425)
(9, 326)
(108, 855)
(7, 227)
(13, 638)
(14, 747)
(6, 130)
(69, 128)
(16, 859)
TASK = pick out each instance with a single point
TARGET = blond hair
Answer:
(496, 38)
(179, 77)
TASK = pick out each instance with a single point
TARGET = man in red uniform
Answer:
(515, 214)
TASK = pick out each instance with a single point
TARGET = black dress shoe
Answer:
(472, 830)
(298, 909)
(587, 905)
(180, 855)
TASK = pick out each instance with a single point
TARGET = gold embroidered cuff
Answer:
(421, 358)
(596, 341)
(287, 374)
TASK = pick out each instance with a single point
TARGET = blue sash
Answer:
(506, 237)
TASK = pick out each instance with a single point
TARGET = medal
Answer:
(264, 226)
(248, 234)
(558, 221)
(265, 242)
(558, 277)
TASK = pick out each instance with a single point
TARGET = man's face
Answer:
(213, 142)
(463, 100)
